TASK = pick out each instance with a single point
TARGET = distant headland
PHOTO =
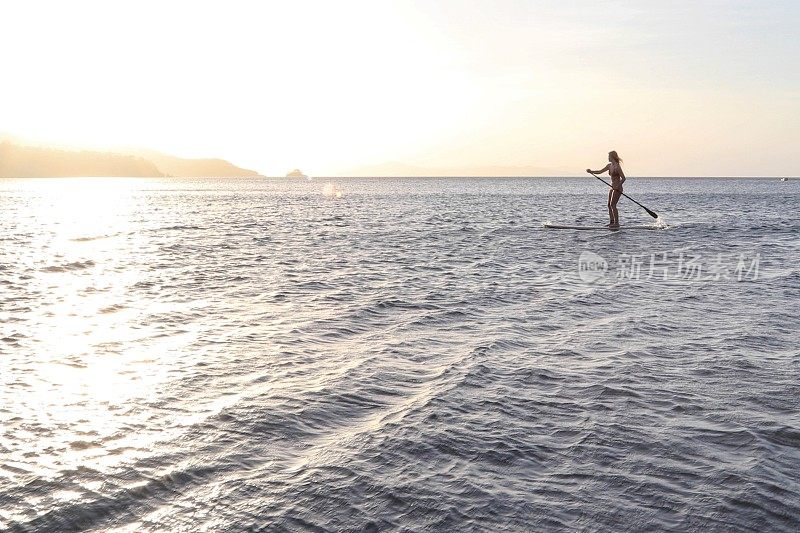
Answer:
(23, 161)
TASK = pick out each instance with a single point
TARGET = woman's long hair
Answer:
(615, 156)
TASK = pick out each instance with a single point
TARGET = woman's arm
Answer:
(598, 171)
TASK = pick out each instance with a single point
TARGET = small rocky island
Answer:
(22, 161)
(296, 174)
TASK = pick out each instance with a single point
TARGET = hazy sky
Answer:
(677, 88)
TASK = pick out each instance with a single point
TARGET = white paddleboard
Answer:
(606, 228)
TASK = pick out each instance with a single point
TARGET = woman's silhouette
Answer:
(614, 169)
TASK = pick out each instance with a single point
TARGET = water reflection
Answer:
(77, 348)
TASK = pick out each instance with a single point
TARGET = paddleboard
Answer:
(606, 228)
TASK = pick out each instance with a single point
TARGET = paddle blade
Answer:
(654, 215)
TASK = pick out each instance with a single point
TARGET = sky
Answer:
(679, 88)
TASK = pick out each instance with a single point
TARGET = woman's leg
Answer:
(614, 198)
(610, 209)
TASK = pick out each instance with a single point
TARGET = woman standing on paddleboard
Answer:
(614, 169)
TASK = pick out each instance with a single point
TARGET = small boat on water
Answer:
(784, 179)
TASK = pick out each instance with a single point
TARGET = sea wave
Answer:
(418, 355)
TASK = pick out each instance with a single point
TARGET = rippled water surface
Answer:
(416, 355)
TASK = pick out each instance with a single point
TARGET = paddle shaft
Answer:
(651, 213)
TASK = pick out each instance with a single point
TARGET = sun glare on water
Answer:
(332, 190)
(93, 348)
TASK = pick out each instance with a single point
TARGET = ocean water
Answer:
(412, 355)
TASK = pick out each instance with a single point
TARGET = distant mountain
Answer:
(21, 161)
(195, 168)
(18, 161)
(405, 170)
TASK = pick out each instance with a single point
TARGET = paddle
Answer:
(652, 214)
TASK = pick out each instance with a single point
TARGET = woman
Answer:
(614, 169)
